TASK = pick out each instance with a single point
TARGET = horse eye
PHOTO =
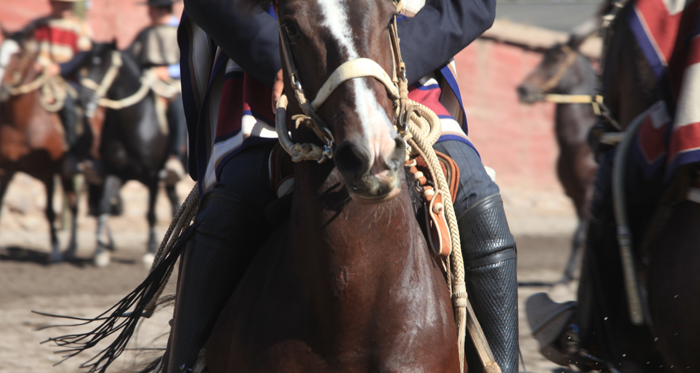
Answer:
(291, 30)
(96, 60)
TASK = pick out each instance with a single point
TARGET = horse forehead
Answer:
(336, 18)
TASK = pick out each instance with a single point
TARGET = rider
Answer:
(155, 47)
(62, 41)
(230, 142)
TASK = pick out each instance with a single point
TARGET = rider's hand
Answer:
(162, 73)
(277, 89)
(53, 69)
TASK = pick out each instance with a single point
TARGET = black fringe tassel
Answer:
(117, 318)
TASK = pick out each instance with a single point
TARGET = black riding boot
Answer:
(69, 118)
(490, 270)
(230, 233)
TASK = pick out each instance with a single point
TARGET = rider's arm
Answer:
(440, 30)
(251, 40)
(70, 67)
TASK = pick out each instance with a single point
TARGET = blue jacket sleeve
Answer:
(70, 67)
(250, 39)
(440, 30)
(429, 40)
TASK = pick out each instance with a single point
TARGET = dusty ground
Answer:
(541, 222)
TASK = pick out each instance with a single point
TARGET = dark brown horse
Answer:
(32, 140)
(665, 236)
(349, 284)
(564, 70)
(133, 146)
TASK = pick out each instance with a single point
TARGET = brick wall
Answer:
(514, 139)
(110, 19)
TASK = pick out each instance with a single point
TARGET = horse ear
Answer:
(5, 34)
(113, 44)
(575, 41)
(581, 33)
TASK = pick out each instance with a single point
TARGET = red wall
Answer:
(514, 139)
(110, 19)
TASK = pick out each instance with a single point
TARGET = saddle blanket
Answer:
(668, 32)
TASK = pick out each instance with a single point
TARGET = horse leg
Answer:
(576, 244)
(5, 178)
(71, 194)
(111, 186)
(49, 183)
(174, 199)
(674, 288)
(151, 216)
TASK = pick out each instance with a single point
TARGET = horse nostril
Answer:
(522, 91)
(351, 160)
(399, 154)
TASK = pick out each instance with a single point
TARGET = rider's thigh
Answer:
(474, 183)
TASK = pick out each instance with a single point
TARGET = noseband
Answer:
(396, 87)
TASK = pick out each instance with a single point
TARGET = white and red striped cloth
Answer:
(668, 32)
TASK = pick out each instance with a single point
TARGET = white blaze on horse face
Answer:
(378, 130)
(7, 49)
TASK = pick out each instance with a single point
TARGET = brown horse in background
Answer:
(349, 284)
(32, 141)
(564, 70)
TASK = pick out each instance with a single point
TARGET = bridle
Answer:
(420, 127)
(396, 86)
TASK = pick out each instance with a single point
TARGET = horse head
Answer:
(102, 58)
(322, 35)
(16, 62)
(556, 73)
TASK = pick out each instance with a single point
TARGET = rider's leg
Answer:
(177, 126)
(231, 229)
(174, 165)
(69, 118)
(489, 257)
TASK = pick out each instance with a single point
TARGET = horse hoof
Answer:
(148, 260)
(101, 260)
(55, 257)
(69, 255)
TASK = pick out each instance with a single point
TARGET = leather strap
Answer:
(357, 68)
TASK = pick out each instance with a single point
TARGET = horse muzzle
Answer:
(529, 94)
(371, 177)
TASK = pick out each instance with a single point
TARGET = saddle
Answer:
(433, 221)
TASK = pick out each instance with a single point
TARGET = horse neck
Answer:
(572, 121)
(128, 79)
(352, 259)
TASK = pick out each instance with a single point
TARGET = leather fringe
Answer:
(118, 318)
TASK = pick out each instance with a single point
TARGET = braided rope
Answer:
(53, 91)
(31, 86)
(422, 143)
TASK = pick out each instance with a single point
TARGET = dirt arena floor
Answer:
(541, 223)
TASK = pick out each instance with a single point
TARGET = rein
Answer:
(421, 128)
(149, 82)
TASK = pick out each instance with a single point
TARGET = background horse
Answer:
(663, 225)
(32, 141)
(133, 146)
(349, 284)
(564, 70)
